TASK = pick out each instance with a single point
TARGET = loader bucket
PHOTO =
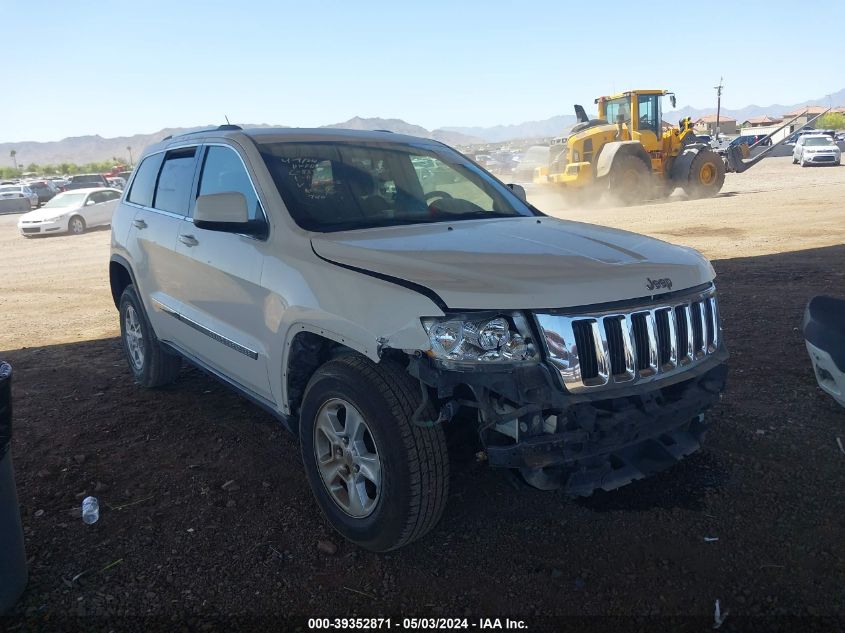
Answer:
(736, 162)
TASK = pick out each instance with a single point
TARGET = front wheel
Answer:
(629, 180)
(76, 225)
(380, 477)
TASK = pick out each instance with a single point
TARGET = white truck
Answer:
(319, 274)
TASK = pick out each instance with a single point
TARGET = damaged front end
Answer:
(614, 394)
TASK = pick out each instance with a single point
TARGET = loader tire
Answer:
(629, 180)
(706, 175)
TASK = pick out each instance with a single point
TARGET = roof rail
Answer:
(227, 127)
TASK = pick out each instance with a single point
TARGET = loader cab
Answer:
(638, 112)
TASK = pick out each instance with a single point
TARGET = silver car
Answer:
(816, 149)
(20, 191)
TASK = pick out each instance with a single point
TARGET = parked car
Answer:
(86, 181)
(20, 191)
(704, 138)
(816, 149)
(44, 189)
(116, 182)
(60, 183)
(824, 336)
(71, 212)
(368, 318)
(751, 139)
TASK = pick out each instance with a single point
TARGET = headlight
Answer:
(480, 338)
(54, 218)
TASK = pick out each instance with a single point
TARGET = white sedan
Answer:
(71, 212)
(20, 191)
(816, 149)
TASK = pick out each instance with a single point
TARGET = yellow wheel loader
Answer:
(629, 152)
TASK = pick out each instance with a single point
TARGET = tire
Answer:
(151, 365)
(76, 225)
(629, 179)
(794, 160)
(413, 473)
(706, 175)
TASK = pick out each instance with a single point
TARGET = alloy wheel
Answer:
(347, 458)
(134, 338)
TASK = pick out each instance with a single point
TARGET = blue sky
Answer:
(115, 68)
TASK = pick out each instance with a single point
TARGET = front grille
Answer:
(29, 230)
(640, 343)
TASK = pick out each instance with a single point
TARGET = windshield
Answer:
(340, 186)
(90, 178)
(614, 108)
(818, 141)
(66, 200)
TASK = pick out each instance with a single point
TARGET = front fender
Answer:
(608, 154)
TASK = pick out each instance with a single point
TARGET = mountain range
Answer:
(85, 149)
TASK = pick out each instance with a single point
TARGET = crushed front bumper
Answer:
(601, 440)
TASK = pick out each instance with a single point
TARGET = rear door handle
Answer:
(140, 224)
(188, 240)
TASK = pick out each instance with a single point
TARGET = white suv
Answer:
(373, 312)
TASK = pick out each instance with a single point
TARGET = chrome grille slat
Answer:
(602, 356)
(636, 344)
(703, 334)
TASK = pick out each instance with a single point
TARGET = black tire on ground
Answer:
(76, 225)
(629, 180)
(794, 160)
(414, 462)
(706, 175)
(155, 367)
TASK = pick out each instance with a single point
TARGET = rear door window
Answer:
(175, 180)
(143, 185)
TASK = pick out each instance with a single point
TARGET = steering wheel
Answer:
(436, 195)
(433, 196)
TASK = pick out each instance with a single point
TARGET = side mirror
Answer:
(226, 212)
(518, 191)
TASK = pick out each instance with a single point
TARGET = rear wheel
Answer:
(380, 478)
(706, 175)
(150, 364)
(629, 180)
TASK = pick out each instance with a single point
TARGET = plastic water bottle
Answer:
(90, 510)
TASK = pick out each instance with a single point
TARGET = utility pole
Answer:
(129, 149)
(718, 105)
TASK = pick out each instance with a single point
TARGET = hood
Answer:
(519, 263)
(47, 212)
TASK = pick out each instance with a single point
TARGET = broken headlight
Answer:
(480, 338)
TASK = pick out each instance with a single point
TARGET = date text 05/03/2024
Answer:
(480, 624)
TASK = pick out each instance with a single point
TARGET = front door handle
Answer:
(188, 240)
(140, 224)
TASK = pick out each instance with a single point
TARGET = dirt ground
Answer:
(172, 545)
